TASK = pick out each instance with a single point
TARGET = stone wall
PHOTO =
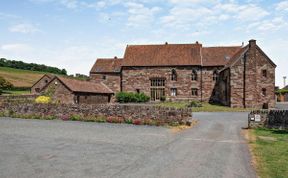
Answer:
(112, 80)
(59, 92)
(222, 88)
(247, 80)
(268, 118)
(118, 110)
(18, 98)
(139, 78)
(40, 84)
(93, 98)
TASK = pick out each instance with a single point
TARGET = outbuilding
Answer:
(72, 91)
(41, 83)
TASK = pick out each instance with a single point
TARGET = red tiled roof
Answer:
(162, 55)
(218, 56)
(84, 86)
(236, 56)
(107, 65)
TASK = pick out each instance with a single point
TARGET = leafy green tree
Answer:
(31, 66)
(4, 84)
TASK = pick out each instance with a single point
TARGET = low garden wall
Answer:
(277, 119)
(17, 98)
(119, 111)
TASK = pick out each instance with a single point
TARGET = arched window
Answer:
(174, 75)
(194, 75)
(215, 75)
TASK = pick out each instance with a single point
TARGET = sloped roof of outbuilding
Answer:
(82, 86)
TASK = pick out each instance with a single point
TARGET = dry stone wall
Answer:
(109, 110)
(268, 118)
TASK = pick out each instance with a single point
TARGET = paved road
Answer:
(213, 148)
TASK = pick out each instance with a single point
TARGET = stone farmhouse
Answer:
(235, 76)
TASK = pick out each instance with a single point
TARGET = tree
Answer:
(4, 84)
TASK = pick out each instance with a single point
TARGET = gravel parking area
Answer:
(37, 148)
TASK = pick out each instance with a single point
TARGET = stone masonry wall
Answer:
(256, 62)
(93, 98)
(114, 110)
(222, 88)
(277, 119)
(139, 78)
(40, 84)
(265, 82)
(59, 92)
(112, 80)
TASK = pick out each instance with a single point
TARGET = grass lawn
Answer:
(270, 149)
(206, 107)
(15, 92)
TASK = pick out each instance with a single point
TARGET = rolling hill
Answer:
(20, 78)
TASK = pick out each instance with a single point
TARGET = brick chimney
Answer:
(252, 49)
(252, 43)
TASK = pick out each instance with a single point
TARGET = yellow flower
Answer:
(43, 99)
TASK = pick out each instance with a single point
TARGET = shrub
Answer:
(194, 104)
(128, 97)
(50, 117)
(75, 117)
(43, 99)
(128, 121)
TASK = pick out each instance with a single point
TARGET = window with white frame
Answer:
(173, 91)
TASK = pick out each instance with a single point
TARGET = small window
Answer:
(137, 90)
(264, 73)
(46, 81)
(37, 90)
(215, 76)
(264, 93)
(194, 75)
(104, 77)
(174, 75)
(194, 92)
(173, 91)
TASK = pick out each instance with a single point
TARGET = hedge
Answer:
(129, 97)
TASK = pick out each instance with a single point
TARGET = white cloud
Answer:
(268, 25)
(282, 6)
(16, 47)
(139, 15)
(251, 12)
(24, 28)
(210, 13)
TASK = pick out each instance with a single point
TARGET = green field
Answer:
(270, 148)
(20, 78)
(206, 107)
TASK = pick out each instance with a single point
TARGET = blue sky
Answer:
(71, 34)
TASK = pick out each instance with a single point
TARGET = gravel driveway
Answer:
(213, 148)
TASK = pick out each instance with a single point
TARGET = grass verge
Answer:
(206, 107)
(270, 152)
(15, 92)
